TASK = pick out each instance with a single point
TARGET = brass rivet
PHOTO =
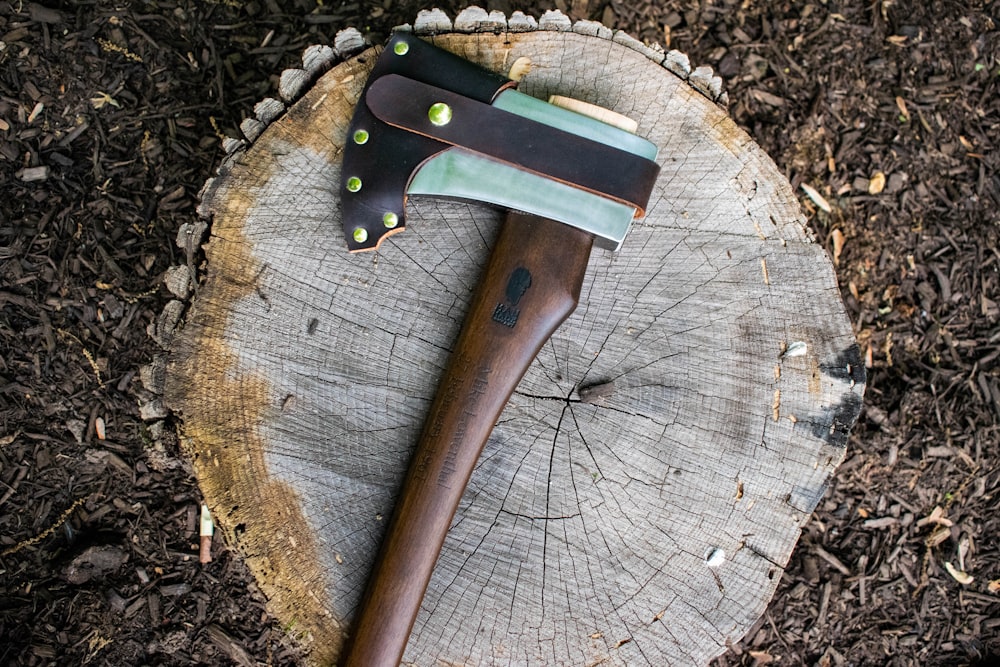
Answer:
(360, 234)
(401, 48)
(439, 114)
(353, 184)
(361, 137)
(390, 220)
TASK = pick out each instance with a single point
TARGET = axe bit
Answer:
(432, 123)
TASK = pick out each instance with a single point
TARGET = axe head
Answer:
(432, 123)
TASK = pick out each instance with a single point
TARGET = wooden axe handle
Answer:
(531, 285)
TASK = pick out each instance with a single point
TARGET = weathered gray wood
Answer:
(648, 480)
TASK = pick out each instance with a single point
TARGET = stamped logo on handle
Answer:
(506, 313)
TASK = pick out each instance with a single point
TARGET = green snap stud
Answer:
(360, 234)
(390, 220)
(361, 137)
(439, 114)
(353, 184)
(401, 48)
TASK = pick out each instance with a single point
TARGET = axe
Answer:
(431, 123)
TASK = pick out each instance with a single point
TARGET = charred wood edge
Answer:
(182, 280)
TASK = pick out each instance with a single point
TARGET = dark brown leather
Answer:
(518, 141)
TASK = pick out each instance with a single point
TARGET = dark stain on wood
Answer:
(848, 366)
(835, 424)
(593, 393)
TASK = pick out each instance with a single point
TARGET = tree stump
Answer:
(648, 480)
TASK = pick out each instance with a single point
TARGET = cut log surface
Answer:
(646, 484)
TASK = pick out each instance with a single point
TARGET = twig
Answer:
(63, 518)
(207, 529)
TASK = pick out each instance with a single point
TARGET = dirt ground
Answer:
(110, 121)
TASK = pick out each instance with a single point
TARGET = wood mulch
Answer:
(885, 116)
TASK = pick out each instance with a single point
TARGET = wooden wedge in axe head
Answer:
(432, 123)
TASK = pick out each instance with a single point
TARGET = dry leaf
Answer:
(35, 112)
(936, 517)
(103, 99)
(767, 98)
(961, 577)
(761, 657)
(964, 545)
(988, 306)
(938, 537)
(903, 111)
(816, 197)
(994, 586)
(838, 245)
(877, 183)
